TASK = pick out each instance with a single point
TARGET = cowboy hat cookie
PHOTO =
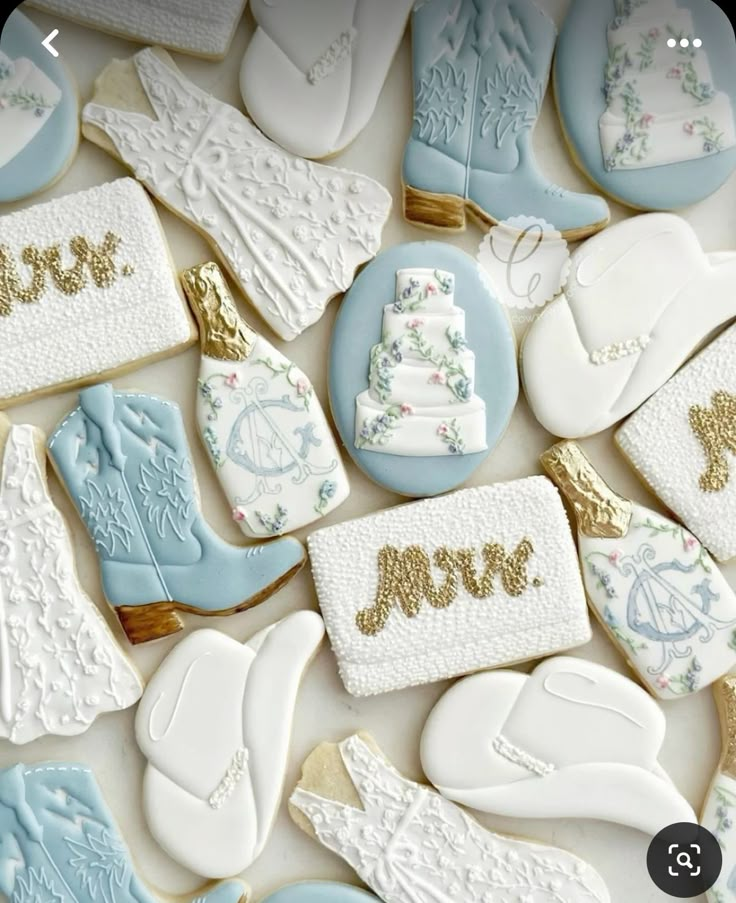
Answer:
(395, 834)
(214, 725)
(320, 892)
(480, 75)
(639, 300)
(87, 290)
(415, 407)
(655, 589)
(124, 460)
(291, 233)
(646, 93)
(39, 112)
(571, 739)
(433, 589)
(181, 25)
(314, 69)
(59, 842)
(682, 443)
(60, 666)
(260, 420)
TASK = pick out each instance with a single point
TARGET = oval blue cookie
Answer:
(39, 112)
(320, 892)
(646, 91)
(423, 371)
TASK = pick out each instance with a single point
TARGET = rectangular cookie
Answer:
(433, 589)
(682, 443)
(87, 290)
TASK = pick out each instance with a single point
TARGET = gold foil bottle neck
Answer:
(600, 511)
(224, 334)
(725, 691)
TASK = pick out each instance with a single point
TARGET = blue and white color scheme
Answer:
(320, 892)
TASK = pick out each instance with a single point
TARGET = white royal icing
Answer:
(420, 400)
(269, 442)
(422, 633)
(27, 98)
(184, 25)
(572, 739)
(631, 313)
(70, 333)
(661, 104)
(215, 726)
(409, 844)
(291, 232)
(669, 454)
(60, 666)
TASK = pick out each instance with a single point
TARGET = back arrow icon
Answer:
(47, 42)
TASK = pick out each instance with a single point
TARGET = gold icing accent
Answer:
(715, 428)
(47, 261)
(406, 578)
(600, 511)
(128, 269)
(726, 691)
(224, 334)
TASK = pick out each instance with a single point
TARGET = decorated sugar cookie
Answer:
(39, 112)
(631, 313)
(423, 373)
(60, 667)
(646, 91)
(571, 739)
(291, 233)
(178, 24)
(86, 290)
(59, 842)
(214, 725)
(655, 589)
(320, 892)
(124, 460)
(480, 75)
(682, 443)
(400, 836)
(433, 589)
(260, 420)
(314, 69)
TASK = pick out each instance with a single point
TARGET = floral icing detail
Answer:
(326, 492)
(213, 447)
(413, 296)
(294, 377)
(449, 433)
(441, 102)
(275, 523)
(380, 429)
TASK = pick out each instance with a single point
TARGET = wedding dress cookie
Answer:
(215, 725)
(423, 372)
(39, 115)
(571, 739)
(682, 443)
(86, 291)
(433, 589)
(314, 69)
(657, 592)
(403, 839)
(188, 26)
(631, 313)
(320, 892)
(260, 420)
(60, 667)
(646, 91)
(291, 233)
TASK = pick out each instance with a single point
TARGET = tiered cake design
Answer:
(420, 399)
(662, 104)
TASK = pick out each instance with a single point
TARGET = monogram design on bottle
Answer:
(406, 579)
(715, 429)
(91, 260)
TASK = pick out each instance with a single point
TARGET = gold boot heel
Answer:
(142, 623)
(434, 211)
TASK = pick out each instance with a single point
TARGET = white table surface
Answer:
(324, 710)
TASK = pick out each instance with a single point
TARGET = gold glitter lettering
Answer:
(43, 262)
(715, 428)
(405, 579)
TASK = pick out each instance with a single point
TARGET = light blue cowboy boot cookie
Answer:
(481, 69)
(125, 461)
(59, 842)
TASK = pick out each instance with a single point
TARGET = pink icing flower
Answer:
(615, 556)
(443, 429)
(690, 542)
(653, 32)
(415, 324)
(232, 381)
(675, 72)
(663, 681)
(406, 410)
(646, 120)
(302, 386)
(438, 378)
(238, 514)
(431, 288)
(689, 128)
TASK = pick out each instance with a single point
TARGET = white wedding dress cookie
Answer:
(314, 69)
(215, 726)
(572, 739)
(631, 313)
